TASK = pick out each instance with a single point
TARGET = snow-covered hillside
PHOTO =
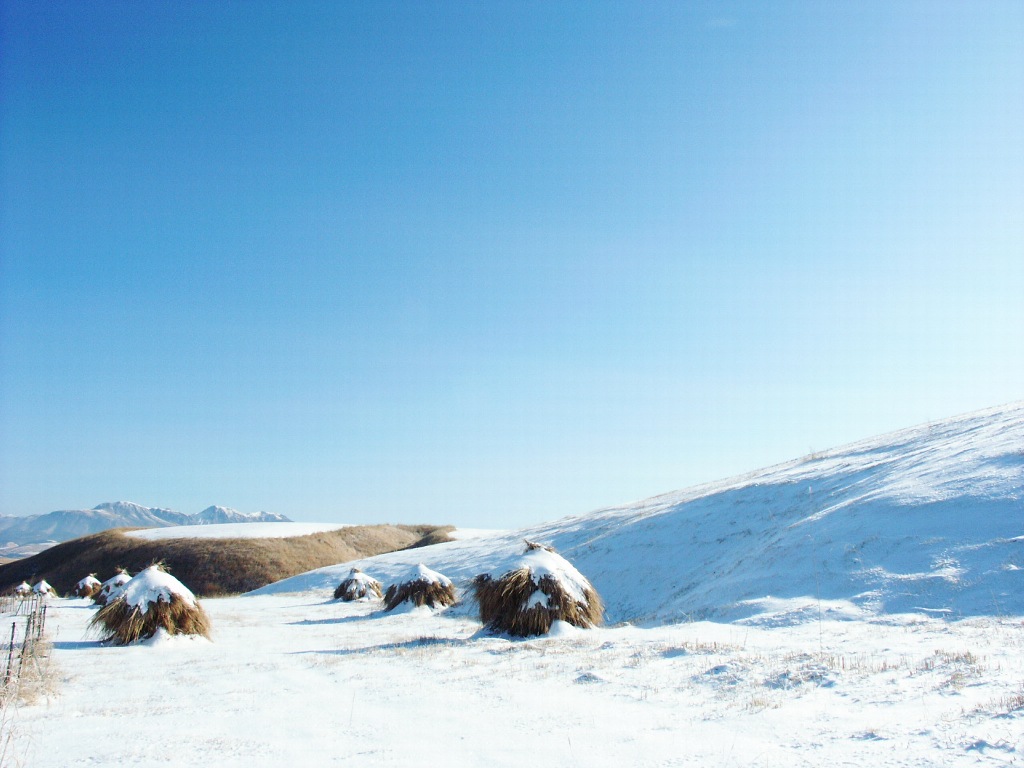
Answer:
(929, 519)
(872, 598)
(235, 531)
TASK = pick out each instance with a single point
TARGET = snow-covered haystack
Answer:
(23, 590)
(110, 588)
(543, 588)
(358, 586)
(421, 586)
(42, 587)
(151, 601)
(88, 587)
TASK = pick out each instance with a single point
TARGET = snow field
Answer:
(280, 530)
(862, 606)
(315, 682)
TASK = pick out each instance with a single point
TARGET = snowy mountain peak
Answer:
(219, 515)
(63, 525)
(129, 508)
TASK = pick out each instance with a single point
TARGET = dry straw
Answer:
(43, 587)
(111, 586)
(172, 608)
(426, 587)
(358, 586)
(88, 587)
(544, 588)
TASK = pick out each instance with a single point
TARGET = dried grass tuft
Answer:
(123, 624)
(420, 592)
(354, 588)
(510, 605)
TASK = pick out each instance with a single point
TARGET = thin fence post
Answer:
(10, 655)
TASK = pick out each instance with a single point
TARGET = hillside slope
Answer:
(928, 519)
(212, 566)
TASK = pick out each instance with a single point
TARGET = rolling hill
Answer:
(212, 566)
(928, 520)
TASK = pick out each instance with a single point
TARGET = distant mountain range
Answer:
(23, 536)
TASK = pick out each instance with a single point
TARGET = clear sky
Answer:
(493, 263)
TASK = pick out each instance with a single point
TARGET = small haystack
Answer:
(42, 587)
(88, 586)
(112, 587)
(542, 589)
(358, 586)
(23, 590)
(152, 601)
(422, 586)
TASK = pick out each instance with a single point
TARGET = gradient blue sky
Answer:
(493, 263)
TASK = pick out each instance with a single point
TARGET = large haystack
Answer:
(88, 587)
(358, 586)
(542, 589)
(152, 601)
(422, 586)
(42, 587)
(23, 590)
(112, 587)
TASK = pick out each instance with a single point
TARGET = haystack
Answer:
(112, 587)
(358, 586)
(42, 587)
(542, 589)
(88, 586)
(23, 590)
(422, 586)
(152, 601)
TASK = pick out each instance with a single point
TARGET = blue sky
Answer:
(492, 263)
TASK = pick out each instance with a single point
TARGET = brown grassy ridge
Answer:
(213, 567)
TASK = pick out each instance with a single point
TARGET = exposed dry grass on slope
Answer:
(211, 567)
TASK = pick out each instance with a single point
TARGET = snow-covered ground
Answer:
(863, 606)
(236, 531)
(300, 680)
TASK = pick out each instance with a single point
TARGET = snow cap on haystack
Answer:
(542, 589)
(358, 586)
(23, 589)
(42, 587)
(151, 601)
(88, 586)
(421, 586)
(112, 587)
